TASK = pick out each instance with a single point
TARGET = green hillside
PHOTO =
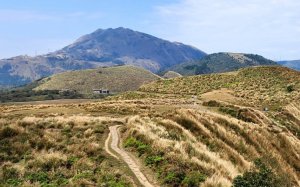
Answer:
(221, 62)
(115, 79)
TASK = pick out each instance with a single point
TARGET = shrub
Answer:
(10, 173)
(290, 88)
(193, 179)
(153, 160)
(130, 142)
(211, 103)
(40, 177)
(14, 182)
(8, 132)
(174, 178)
(140, 146)
(260, 176)
(232, 112)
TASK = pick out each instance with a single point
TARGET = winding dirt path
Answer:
(114, 145)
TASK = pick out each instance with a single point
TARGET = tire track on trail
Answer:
(114, 145)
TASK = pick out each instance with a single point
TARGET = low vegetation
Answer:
(57, 151)
(115, 79)
(218, 147)
(31, 95)
(270, 87)
(180, 137)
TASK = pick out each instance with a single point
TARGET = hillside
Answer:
(115, 79)
(108, 47)
(171, 74)
(255, 86)
(176, 140)
(220, 62)
(294, 64)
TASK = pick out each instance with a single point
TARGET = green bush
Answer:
(290, 88)
(130, 142)
(140, 146)
(174, 178)
(153, 160)
(14, 182)
(40, 177)
(260, 176)
(193, 179)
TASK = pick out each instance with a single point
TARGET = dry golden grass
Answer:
(174, 136)
(221, 146)
(116, 79)
(255, 86)
(54, 150)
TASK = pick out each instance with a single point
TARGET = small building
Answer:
(101, 91)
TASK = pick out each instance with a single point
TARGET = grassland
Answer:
(116, 79)
(222, 137)
(257, 87)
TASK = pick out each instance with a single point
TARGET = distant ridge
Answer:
(104, 47)
(221, 62)
(294, 64)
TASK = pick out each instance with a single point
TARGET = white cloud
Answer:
(269, 27)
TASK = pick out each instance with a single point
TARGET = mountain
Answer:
(115, 79)
(294, 64)
(220, 62)
(108, 47)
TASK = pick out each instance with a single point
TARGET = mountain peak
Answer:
(103, 47)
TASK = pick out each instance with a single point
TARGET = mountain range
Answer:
(294, 64)
(108, 47)
(122, 46)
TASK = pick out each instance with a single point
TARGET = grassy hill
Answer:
(171, 74)
(115, 79)
(221, 62)
(255, 86)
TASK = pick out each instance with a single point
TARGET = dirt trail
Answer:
(114, 145)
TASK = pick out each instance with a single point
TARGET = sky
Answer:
(270, 28)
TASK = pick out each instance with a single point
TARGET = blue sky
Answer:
(270, 28)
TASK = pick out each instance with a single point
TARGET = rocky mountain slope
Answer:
(108, 47)
(220, 62)
(294, 64)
